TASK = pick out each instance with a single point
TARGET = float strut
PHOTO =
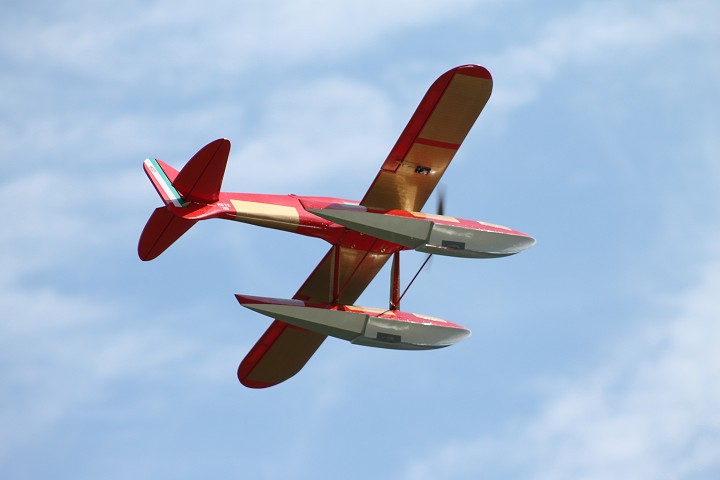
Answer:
(336, 275)
(395, 282)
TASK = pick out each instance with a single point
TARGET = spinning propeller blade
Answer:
(441, 200)
(440, 210)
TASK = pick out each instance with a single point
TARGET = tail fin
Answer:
(199, 181)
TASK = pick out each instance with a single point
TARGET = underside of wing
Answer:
(427, 145)
(284, 349)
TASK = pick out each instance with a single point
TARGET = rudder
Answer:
(201, 178)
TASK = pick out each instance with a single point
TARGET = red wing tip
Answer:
(253, 384)
(252, 300)
(242, 299)
(145, 256)
(474, 71)
(249, 299)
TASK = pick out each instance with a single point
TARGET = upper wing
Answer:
(427, 145)
(284, 349)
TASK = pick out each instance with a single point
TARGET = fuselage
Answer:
(346, 223)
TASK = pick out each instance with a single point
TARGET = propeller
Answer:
(440, 200)
(440, 210)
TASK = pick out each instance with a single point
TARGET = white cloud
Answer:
(647, 408)
(61, 352)
(596, 34)
(62, 355)
(61, 218)
(647, 411)
(91, 85)
(331, 128)
(221, 36)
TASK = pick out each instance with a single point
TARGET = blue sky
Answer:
(594, 354)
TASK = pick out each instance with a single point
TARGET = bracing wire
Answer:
(409, 284)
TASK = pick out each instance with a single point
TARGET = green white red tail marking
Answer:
(162, 183)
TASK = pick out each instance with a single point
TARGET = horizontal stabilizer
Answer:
(161, 231)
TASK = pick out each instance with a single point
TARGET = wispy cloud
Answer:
(648, 409)
(161, 37)
(89, 92)
(63, 354)
(332, 128)
(100, 87)
(597, 34)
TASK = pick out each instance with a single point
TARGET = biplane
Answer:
(363, 235)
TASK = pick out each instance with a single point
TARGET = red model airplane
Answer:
(363, 235)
